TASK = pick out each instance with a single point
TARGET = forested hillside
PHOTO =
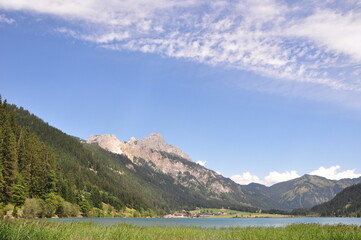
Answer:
(27, 165)
(345, 204)
(46, 172)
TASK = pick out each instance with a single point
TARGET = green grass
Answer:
(216, 210)
(43, 230)
(238, 214)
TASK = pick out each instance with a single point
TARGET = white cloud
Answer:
(246, 178)
(272, 178)
(335, 30)
(202, 163)
(4, 19)
(106, 14)
(288, 41)
(276, 177)
(333, 173)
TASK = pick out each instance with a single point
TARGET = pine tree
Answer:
(96, 198)
(2, 120)
(18, 195)
(9, 171)
(51, 181)
(1, 186)
(9, 157)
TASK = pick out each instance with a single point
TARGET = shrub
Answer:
(96, 212)
(68, 210)
(32, 208)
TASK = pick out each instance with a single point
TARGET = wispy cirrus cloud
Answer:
(314, 42)
(6, 20)
(276, 177)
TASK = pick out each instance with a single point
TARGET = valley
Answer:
(148, 177)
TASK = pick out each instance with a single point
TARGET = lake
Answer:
(214, 222)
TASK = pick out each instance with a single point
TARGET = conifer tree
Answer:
(9, 157)
(18, 195)
(2, 116)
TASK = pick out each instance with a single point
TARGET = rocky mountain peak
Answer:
(155, 137)
(136, 148)
(156, 153)
(108, 142)
(154, 141)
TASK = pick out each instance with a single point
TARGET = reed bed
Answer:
(46, 230)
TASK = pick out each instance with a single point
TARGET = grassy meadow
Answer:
(236, 214)
(43, 230)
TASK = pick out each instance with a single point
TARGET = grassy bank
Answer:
(43, 230)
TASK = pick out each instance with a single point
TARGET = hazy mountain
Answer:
(303, 192)
(347, 203)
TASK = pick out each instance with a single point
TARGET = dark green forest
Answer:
(345, 204)
(27, 165)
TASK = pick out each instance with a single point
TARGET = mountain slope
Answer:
(100, 176)
(347, 203)
(82, 171)
(162, 157)
(303, 192)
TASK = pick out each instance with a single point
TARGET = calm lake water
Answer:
(214, 222)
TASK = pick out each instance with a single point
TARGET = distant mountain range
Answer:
(303, 192)
(149, 173)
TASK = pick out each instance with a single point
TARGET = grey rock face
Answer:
(168, 159)
(107, 142)
(142, 148)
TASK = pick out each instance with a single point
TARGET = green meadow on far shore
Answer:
(227, 213)
(43, 230)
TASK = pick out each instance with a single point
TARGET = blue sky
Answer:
(261, 91)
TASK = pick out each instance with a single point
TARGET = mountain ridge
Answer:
(185, 172)
(305, 191)
(302, 192)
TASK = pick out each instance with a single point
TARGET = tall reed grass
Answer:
(45, 230)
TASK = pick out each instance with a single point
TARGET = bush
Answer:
(68, 210)
(53, 203)
(32, 208)
(95, 212)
